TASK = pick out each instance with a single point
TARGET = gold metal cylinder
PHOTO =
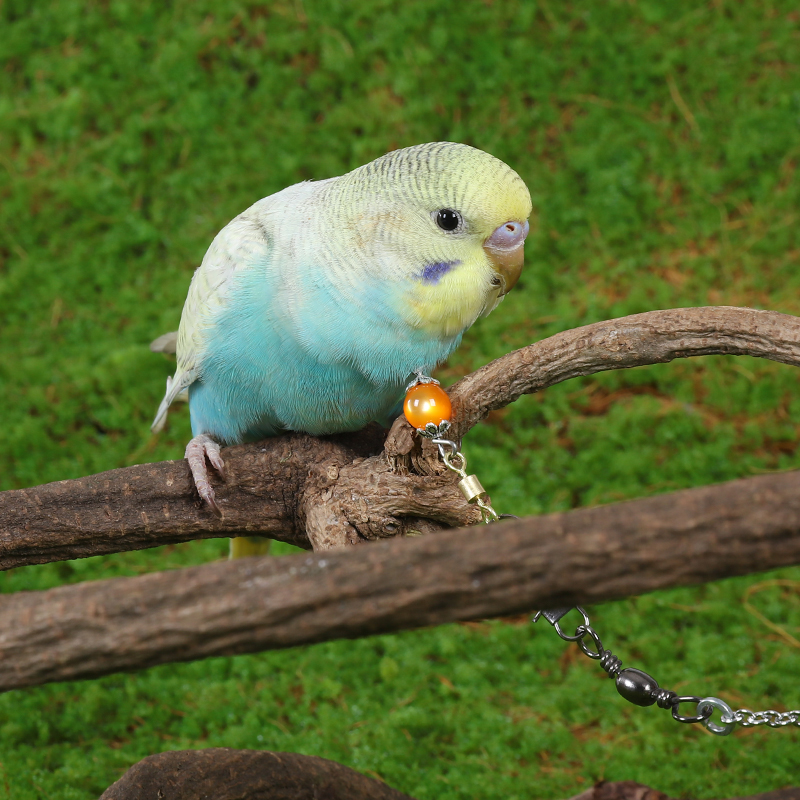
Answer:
(471, 488)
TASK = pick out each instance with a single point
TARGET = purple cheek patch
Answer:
(433, 273)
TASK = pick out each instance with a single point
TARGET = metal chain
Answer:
(642, 689)
(454, 459)
(469, 485)
(634, 685)
(775, 719)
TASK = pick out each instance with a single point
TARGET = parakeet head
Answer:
(446, 223)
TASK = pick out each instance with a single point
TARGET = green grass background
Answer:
(660, 141)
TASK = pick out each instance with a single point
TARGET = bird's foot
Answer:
(199, 449)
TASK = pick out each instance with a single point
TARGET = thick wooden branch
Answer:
(225, 774)
(325, 493)
(272, 488)
(255, 604)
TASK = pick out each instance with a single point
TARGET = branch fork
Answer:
(330, 493)
(338, 491)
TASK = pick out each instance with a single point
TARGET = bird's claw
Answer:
(199, 449)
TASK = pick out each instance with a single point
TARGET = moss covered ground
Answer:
(660, 141)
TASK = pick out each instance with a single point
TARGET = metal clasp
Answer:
(554, 616)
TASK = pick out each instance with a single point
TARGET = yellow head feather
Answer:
(445, 279)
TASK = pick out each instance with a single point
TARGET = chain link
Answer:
(588, 630)
(487, 512)
(775, 719)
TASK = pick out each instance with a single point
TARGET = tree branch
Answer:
(255, 604)
(335, 491)
(274, 488)
(226, 774)
(654, 337)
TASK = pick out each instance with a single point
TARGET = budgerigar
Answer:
(313, 309)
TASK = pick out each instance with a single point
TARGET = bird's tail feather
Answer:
(175, 386)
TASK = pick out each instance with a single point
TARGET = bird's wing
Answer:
(242, 245)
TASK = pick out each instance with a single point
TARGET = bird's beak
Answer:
(506, 250)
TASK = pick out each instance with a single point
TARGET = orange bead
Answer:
(426, 402)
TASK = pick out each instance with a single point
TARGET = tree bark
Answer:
(225, 774)
(255, 604)
(338, 491)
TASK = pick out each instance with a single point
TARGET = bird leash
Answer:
(427, 408)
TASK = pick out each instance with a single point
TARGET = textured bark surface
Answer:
(224, 774)
(295, 488)
(255, 604)
(338, 491)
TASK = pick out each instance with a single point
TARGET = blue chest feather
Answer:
(305, 360)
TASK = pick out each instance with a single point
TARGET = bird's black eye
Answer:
(447, 219)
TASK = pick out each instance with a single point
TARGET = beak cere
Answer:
(506, 250)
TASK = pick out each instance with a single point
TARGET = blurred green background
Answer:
(660, 141)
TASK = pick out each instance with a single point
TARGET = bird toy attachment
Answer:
(428, 409)
(641, 689)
